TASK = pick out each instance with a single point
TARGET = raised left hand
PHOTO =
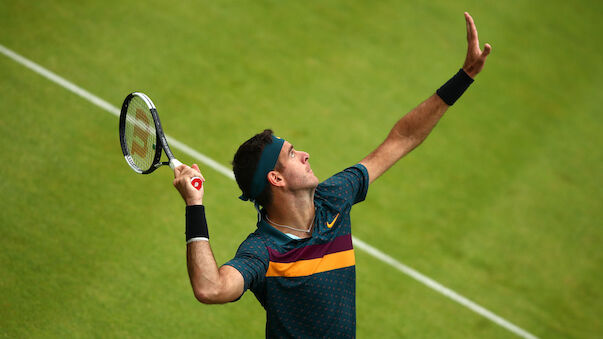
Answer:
(476, 58)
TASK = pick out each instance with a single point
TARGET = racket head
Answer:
(139, 133)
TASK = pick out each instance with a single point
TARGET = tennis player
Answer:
(299, 262)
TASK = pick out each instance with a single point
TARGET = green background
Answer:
(502, 203)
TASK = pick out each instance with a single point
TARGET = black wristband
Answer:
(196, 225)
(452, 90)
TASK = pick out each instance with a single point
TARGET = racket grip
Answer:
(175, 163)
(197, 182)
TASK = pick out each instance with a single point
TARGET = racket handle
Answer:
(197, 182)
(174, 163)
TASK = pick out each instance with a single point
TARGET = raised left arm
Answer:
(410, 131)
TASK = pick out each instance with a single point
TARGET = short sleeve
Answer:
(251, 260)
(347, 187)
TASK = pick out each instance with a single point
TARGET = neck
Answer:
(292, 211)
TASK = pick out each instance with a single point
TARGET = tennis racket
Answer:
(142, 139)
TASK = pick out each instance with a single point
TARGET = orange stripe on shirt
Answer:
(303, 268)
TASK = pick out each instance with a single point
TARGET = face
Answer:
(294, 167)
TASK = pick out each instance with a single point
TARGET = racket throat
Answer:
(172, 163)
(159, 164)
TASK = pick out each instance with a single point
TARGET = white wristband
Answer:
(196, 239)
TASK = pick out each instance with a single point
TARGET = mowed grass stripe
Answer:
(222, 169)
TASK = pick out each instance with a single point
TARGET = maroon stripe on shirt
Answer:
(341, 243)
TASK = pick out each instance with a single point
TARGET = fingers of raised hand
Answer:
(487, 50)
(476, 65)
(471, 29)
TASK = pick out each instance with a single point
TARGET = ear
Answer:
(275, 178)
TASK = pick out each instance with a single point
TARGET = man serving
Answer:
(299, 262)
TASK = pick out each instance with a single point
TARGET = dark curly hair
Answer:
(245, 162)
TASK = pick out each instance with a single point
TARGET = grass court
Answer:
(502, 203)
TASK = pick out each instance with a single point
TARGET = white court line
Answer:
(227, 172)
(108, 107)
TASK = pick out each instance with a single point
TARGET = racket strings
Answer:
(140, 134)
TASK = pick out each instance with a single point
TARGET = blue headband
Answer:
(266, 164)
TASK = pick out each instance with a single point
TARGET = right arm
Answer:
(210, 284)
